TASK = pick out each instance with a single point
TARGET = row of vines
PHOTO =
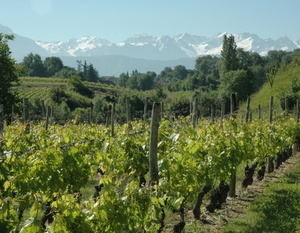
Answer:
(43, 172)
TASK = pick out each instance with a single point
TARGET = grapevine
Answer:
(43, 171)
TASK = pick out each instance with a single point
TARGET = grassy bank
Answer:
(276, 210)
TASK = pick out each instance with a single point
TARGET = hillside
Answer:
(39, 88)
(65, 101)
(282, 80)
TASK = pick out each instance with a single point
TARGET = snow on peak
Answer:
(165, 47)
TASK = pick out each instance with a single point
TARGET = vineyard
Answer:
(84, 178)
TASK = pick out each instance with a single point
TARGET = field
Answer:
(48, 175)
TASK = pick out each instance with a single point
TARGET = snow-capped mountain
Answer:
(141, 52)
(165, 47)
(85, 46)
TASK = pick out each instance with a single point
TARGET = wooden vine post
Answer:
(212, 112)
(162, 110)
(145, 109)
(12, 113)
(233, 104)
(43, 108)
(222, 110)
(195, 112)
(248, 110)
(153, 165)
(270, 165)
(295, 146)
(26, 114)
(259, 112)
(128, 115)
(271, 109)
(113, 119)
(48, 112)
(233, 109)
(297, 110)
(1, 126)
(25, 110)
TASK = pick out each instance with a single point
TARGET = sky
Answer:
(117, 20)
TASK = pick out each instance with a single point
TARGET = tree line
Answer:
(34, 66)
(215, 77)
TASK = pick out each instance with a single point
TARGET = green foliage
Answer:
(66, 72)
(75, 84)
(8, 73)
(33, 65)
(53, 65)
(229, 54)
(159, 93)
(271, 74)
(88, 72)
(123, 78)
(275, 58)
(100, 109)
(170, 75)
(136, 104)
(54, 164)
(208, 65)
(180, 72)
(73, 100)
(281, 81)
(180, 107)
(140, 81)
(192, 82)
(81, 114)
(58, 95)
(289, 95)
(207, 102)
(239, 81)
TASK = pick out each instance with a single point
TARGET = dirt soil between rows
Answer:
(235, 207)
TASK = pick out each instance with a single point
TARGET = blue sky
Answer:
(117, 20)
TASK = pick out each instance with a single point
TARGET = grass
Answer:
(282, 80)
(276, 210)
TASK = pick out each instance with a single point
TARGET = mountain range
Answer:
(141, 52)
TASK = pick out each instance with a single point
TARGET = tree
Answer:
(87, 72)
(8, 72)
(240, 81)
(208, 65)
(66, 72)
(248, 59)
(229, 54)
(274, 58)
(192, 82)
(123, 79)
(166, 74)
(92, 74)
(53, 65)
(33, 65)
(133, 82)
(180, 72)
(146, 82)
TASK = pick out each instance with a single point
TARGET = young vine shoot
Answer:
(43, 172)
